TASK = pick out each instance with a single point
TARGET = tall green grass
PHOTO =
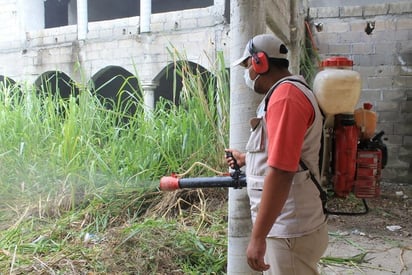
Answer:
(46, 139)
(71, 166)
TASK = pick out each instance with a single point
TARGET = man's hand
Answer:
(235, 155)
(255, 253)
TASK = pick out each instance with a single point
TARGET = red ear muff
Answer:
(260, 62)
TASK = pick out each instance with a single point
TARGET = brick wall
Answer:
(384, 60)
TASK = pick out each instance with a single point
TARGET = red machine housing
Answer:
(368, 173)
(345, 154)
(352, 159)
(357, 163)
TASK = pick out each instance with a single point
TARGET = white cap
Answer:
(268, 43)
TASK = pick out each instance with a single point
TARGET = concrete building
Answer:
(100, 40)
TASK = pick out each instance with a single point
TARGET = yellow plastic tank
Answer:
(366, 121)
(337, 87)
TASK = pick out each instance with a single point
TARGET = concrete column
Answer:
(32, 15)
(145, 14)
(297, 34)
(243, 103)
(82, 19)
(148, 88)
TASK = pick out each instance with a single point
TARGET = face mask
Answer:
(249, 82)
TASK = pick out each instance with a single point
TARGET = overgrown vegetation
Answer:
(309, 57)
(78, 185)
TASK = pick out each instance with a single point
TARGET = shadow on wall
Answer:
(114, 86)
(171, 81)
(8, 87)
(6, 82)
(55, 82)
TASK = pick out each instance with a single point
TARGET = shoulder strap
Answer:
(274, 87)
(322, 193)
(324, 197)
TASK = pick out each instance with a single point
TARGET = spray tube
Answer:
(236, 179)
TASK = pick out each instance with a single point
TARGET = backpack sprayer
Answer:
(352, 155)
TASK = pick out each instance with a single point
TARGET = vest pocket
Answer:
(256, 141)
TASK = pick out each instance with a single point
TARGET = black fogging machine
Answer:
(235, 179)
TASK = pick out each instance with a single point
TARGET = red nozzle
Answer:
(169, 183)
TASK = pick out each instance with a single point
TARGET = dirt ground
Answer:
(377, 243)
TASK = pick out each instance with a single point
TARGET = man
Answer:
(289, 227)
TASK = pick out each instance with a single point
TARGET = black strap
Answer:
(322, 193)
(274, 87)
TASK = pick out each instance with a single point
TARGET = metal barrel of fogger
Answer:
(171, 183)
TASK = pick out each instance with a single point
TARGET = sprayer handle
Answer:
(230, 155)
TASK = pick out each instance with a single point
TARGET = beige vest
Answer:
(302, 212)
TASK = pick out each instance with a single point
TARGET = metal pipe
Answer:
(171, 183)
